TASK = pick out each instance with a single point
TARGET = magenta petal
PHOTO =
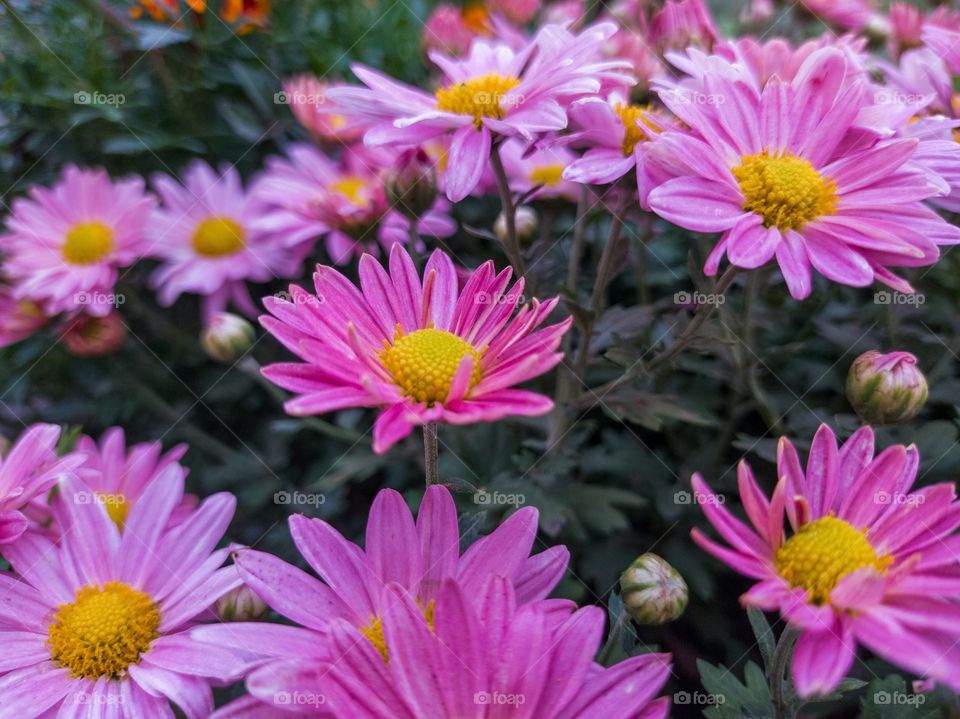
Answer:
(697, 204)
(467, 158)
(12, 526)
(822, 659)
(750, 244)
(393, 547)
(392, 425)
(439, 539)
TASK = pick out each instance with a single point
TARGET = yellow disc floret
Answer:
(631, 115)
(117, 508)
(480, 97)
(424, 362)
(353, 188)
(87, 242)
(374, 630)
(218, 236)
(786, 190)
(549, 175)
(103, 631)
(822, 553)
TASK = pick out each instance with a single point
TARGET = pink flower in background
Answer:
(681, 23)
(495, 91)
(119, 476)
(422, 352)
(204, 236)
(64, 244)
(306, 94)
(98, 621)
(86, 335)
(417, 556)
(465, 660)
(448, 31)
(529, 168)
(517, 11)
(27, 470)
(307, 195)
(847, 14)
(867, 561)
(770, 171)
(945, 42)
(920, 78)
(19, 319)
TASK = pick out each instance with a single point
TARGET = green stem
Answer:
(778, 676)
(430, 453)
(512, 244)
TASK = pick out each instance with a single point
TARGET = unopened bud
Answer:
(89, 336)
(411, 183)
(653, 592)
(240, 605)
(525, 220)
(886, 388)
(227, 337)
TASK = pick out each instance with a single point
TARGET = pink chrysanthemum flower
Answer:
(681, 23)
(529, 167)
(306, 94)
(945, 42)
(308, 195)
(847, 14)
(865, 560)
(119, 476)
(19, 319)
(474, 654)
(494, 91)
(203, 233)
(99, 621)
(65, 243)
(423, 353)
(769, 169)
(27, 470)
(418, 556)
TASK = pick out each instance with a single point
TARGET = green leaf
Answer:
(763, 634)
(726, 696)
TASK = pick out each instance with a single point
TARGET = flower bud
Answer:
(240, 605)
(227, 337)
(653, 592)
(412, 183)
(89, 336)
(886, 388)
(525, 221)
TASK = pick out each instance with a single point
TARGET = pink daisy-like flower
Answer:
(494, 91)
(866, 560)
(945, 42)
(19, 319)
(473, 654)
(418, 556)
(27, 470)
(423, 353)
(119, 476)
(529, 167)
(847, 14)
(308, 195)
(769, 170)
(98, 623)
(306, 94)
(65, 243)
(203, 233)
(681, 23)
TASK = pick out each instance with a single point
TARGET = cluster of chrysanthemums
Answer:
(821, 157)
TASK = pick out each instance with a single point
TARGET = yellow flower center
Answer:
(87, 242)
(104, 631)
(480, 97)
(374, 631)
(631, 115)
(218, 236)
(786, 190)
(117, 508)
(424, 362)
(351, 187)
(549, 175)
(822, 553)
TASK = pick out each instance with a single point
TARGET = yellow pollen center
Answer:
(117, 508)
(87, 242)
(549, 175)
(351, 187)
(374, 631)
(631, 115)
(424, 362)
(822, 553)
(786, 190)
(480, 97)
(104, 631)
(218, 236)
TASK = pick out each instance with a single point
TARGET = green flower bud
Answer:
(653, 592)
(227, 337)
(525, 220)
(411, 183)
(886, 388)
(240, 605)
